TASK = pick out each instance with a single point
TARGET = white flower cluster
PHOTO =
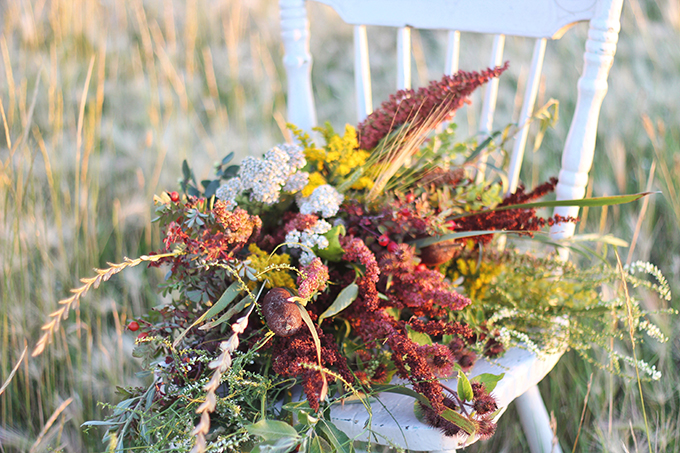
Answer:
(228, 191)
(641, 266)
(523, 341)
(653, 331)
(266, 177)
(308, 239)
(646, 368)
(324, 200)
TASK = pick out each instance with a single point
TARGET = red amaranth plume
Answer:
(432, 105)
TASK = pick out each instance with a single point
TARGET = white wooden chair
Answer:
(540, 19)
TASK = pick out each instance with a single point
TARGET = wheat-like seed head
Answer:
(66, 304)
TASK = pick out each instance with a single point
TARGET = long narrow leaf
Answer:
(317, 344)
(589, 202)
(236, 308)
(344, 300)
(451, 415)
(227, 297)
(424, 242)
(340, 441)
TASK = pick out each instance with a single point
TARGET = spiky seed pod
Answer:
(282, 316)
(436, 254)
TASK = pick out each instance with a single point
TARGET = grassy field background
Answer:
(101, 102)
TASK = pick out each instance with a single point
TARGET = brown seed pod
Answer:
(440, 253)
(282, 317)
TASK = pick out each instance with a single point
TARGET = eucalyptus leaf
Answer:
(228, 158)
(344, 300)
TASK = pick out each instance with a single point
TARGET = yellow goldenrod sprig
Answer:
(102, 276)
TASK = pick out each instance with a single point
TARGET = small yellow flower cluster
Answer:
(477, 276)
(278, 275)
(316, 179)
(338, 159)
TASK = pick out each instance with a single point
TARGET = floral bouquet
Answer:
(318, 275)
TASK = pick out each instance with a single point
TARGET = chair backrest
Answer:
(539, 19)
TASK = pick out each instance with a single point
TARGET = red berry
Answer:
(133, 326)
(421, 267)
(410, 197)
(142, 335)
(174, 197)
(383, 240)
(392, 247)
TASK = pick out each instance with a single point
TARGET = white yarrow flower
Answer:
(325, 200)
(296, 182)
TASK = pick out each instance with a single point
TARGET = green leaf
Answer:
(281, 445)
(419, 412)
(348, 295)
(450, 415)
(401, 390)
(234, 309)
(272, 430)
(101, 423)
(463, 423)
(488, 380)
(315, 445)
(464, 388)
(482, 146)
(227, 158)
(334, 252)
(418, 337)
(424, 242)
(227, 297)
(606, 239)
(338, 439)
(589, 202)
(297, 406)
(312, 329)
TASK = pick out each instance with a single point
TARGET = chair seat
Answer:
(395, 423)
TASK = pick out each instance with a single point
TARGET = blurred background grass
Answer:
(101, 102)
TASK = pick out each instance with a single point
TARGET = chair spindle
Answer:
(404, 58)
(530, 93)
(362, 73)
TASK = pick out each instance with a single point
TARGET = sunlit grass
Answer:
(101, 102)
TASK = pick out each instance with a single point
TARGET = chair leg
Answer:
(536, 423)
